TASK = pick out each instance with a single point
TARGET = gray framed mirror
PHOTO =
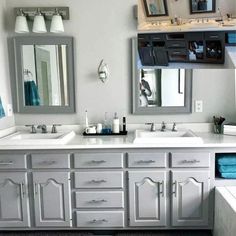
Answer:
(202, 6)
(42, 74)
(160, 91)
(155, 8)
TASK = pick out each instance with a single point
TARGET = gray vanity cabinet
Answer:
(147, 195)
(190, 194)
(14, 201)
(52, 199)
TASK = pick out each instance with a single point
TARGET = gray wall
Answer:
(5, 91)
(102, 30)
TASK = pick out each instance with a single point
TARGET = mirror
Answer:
(202, 6)
(160, 91)
(43, 74)
(155, 8)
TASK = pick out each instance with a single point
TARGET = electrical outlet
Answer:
(9, 110)
(198, 106)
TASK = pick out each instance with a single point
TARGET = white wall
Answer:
(102, 30)
(5, 91)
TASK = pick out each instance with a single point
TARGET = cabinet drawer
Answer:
(147, 160)
(114, 199)
(190, 160)
(105, 179)
(176, 44)
(48, 161)
(97, 219)
(99, 160)
(214, 35)
(12, 161)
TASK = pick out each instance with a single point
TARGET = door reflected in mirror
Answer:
(202, 6)
(162, 87)
(155, 8)
(45, 75)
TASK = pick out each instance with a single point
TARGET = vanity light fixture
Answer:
(103, 72)
(39, 15)
(21, 25)
(39, 25)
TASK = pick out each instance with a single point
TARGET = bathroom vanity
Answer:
(110, 183)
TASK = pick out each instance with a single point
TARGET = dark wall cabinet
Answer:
(157, 49)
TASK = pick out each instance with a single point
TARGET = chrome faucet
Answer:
(153, 127)
(43, 127)
(174, 128)
(163, 126)
(54, 128)
(33, 130)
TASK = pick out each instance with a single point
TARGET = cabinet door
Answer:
(147, 198)
(190, 190)
(14, 204)
(52, 199)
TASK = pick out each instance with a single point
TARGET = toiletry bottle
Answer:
(124, 124)
(116, 125)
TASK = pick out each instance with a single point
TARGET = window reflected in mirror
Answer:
(45, 75)
(202, 6)
(161, 87)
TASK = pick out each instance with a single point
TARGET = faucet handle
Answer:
(54, 128)
(33, 129)
(174, 128)
(153, 127)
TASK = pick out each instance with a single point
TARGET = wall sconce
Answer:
(38, 16)
(103, 72)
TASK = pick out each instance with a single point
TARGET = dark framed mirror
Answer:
(202, 6)
(42, 74)
(155, 8)
(160, 91)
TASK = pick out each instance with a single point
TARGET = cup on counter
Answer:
(99, 128)
(90, 130)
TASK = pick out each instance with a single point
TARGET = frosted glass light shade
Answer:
(57, 24)
(39, 25)
(21, 25)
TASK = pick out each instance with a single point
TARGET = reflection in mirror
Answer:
(202, 6)
(45, 75)
(162, 87)
(155, 8)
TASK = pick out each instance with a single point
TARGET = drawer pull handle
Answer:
(161, 187)
(98, 201)
(22, 191)
(95, 221)
(214, 36)
(174, 188)
(98, 162)
(190, 161)
(146, 161)
(176, 45)
(35, 189)
(6, 163)
(48, 162)
(176, 53)
(98, 181)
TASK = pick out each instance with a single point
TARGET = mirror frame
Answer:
(137, 110)
(156, 15)
(16, 72)
(202, 12)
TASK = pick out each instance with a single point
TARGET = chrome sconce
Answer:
(103, 72)
(38, 15)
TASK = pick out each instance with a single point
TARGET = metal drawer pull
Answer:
(98, 162)
(214, 36)
(176, 45)
(48, 162)
(21, 191)
(174, 188)
(190, 161)
(94, 221)
(98, 201)
(146, 161)
(176, 53)
(6, 163)
(161, 188)
(98, 181)
(35, 188)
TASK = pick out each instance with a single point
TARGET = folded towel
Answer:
(228, 175)
(31, 94)
(2, 112)
(227, 169)
(226, 159)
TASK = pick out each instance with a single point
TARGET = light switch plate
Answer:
(9, 110)
(198, 106)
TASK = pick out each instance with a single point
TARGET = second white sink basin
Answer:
(167, 137)
(20, 138)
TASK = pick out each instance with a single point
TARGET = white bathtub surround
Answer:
(225, 211)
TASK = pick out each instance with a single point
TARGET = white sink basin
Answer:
(20, 138)
(167, 137)
(203, 25)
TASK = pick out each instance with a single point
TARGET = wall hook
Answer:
(103, 71)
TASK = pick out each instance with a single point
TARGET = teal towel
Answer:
(228, 175)
(31, 94)
(2, 112)
(227, 169)
(227, 159)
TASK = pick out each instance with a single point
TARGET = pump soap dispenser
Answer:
(116, 124)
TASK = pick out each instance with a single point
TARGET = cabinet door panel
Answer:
(147, 198)
(190, 198)
(52, 199)
(14, 206)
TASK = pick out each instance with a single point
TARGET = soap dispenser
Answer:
(116, 124)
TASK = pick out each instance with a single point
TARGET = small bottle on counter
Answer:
(116, 124)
